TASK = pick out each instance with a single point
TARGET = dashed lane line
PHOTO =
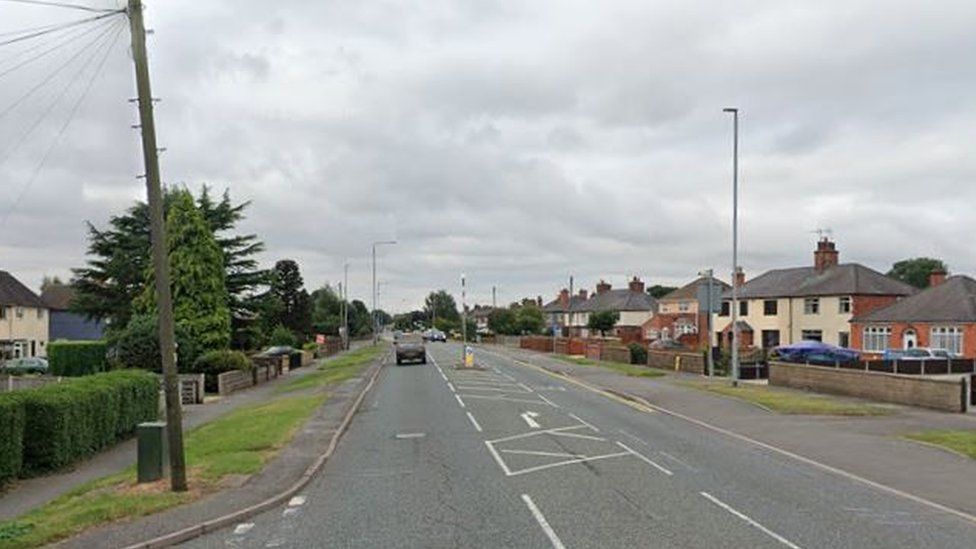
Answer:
(751, 522)
(543, 523)
(461, 402)
(474, 422)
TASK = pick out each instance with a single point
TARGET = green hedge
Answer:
(214, 363)
(79, 417)
(11, 436)
(76, 358)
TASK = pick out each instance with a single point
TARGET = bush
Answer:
(137, 345)
(11, 436)
(76, 358)
(282, 337)
(75, 419)
(638, 354)
(214, 363)
(310, 346)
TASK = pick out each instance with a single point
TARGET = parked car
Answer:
(411, 348)
(279, 350)
(815, 352)
(435, 335)
(916, 353)
(25, 365)
(667, 345)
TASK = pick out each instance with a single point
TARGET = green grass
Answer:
(632, 370)
(336, 370)
(790, 402)
(239, 442)
(963, 442)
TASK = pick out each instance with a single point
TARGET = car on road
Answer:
(435, 335)
(25, 365)
(916, 353)
(411, 348)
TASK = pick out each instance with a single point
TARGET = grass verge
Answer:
(237, 443)
(632, 370)
(962, 442)
(336, 370)
(790, 402)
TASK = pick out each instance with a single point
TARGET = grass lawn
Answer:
(237, 443)
(790, 402)
(336, 370)
(632, 370)
(963, 442)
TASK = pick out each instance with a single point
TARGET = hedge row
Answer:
(71, 420)
(76, 358)
(214, 363)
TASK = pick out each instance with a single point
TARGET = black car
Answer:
(411, 348)
(435, 335)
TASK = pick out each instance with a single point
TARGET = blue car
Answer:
(816, 352)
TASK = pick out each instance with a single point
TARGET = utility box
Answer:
(152, 451)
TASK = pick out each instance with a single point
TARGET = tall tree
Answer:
(916, 271)
(360, 322)
(603, 321)
(529, 319)
(288, 289)
(326, 311)
(197, 279)
(441, 306)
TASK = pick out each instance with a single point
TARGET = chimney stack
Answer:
(538, 300)
(936, 277)
(636, 285)
(740, 278)
(584, 295)
(602, 287)
(564, 298)
(826, 255)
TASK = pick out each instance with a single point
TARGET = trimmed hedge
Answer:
(638, 354)
(79, 417)
(76, 358)
(214, 363)
(11, 437)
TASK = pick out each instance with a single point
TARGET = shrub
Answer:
(282, 337)
(214, 363)
(638, 354)
(75, 419)
(310, 346)
(76, 358)
(11, 436)
(137, 345)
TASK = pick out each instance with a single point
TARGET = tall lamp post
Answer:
(373, 312)
(735, 243)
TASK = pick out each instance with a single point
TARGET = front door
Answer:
(909, 339)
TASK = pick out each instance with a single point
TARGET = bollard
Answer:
(152, 451)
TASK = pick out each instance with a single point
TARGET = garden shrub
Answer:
(282, 337)
(76, 358)
(638, 354)
(11, 436)
(214, 363)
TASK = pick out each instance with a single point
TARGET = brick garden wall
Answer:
(693, 363)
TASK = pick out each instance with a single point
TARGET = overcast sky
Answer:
(519, 141)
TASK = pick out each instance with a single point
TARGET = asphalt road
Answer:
(513, 457)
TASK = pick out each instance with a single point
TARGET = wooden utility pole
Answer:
(164, 300)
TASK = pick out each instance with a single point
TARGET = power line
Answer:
(58, 5)
(59, 45)
(41, 31)
(64, 127)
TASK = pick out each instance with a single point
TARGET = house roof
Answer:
(13, 292)
(952, 301)
(555, 306)
(843, 279)
(58, 296)
(690, 290)
(480, 311)
(619, 300)
(743, 326)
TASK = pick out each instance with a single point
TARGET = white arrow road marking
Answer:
(243, 528)
(528, 417)
(296, 501)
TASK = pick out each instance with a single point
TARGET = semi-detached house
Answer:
(571, 314)
(817, 302)
(23, 320)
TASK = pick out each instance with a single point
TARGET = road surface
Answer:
(514, 457)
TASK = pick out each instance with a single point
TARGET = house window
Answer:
(844, 305)
(844, 339)
(812, 335)
(811, 306)
(948, 338)
(876, 338)
(726, 308)
(770, 306)
(770, 338)
(683, 307)
(743, 308)
(20, 312)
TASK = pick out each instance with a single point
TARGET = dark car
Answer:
(411, 348)
(435, 335)
(26, 365)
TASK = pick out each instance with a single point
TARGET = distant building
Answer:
(65, 324)
(479, 314)
(571, 314)
(784, 306)
(943, 316)
(23, 320)
(683, 314)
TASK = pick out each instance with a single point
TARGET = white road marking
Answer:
(676, 460)
(554, 431)
(403, 436)
(461, 402)
(529, 418)
(451, 387)
(290, 511)
(547, 401)
(535, 453)
(243, 528)
(550, 533)
(577, 418)
(567, 462)
(526, 387)
(474, 422)
(755, 524)
(507, 399)
(503, 390)
(296, 501)
(498, 459)
(644, 458)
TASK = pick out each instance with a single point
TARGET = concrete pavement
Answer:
(511, 457)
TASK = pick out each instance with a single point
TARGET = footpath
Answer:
(868, 447)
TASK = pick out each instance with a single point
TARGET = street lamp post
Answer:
(345, 305)
(709, 274)
(373, 312)
(464, 323)
(735, 243)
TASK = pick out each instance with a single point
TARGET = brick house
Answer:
(817, 302)
(943, 316)
(564, 311)
(683, 314)
(571, 314)
(23, 320)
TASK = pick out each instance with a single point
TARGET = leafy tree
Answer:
(603, 321)
(658, 291)
(916, 271)
(360, 323)
(530, 320)
(326, 311)
(136, 345)
(503, 321)
(441, 304)
(196, 264)
(282, 336)
(287, 294)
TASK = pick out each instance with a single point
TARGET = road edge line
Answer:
(212, 525)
